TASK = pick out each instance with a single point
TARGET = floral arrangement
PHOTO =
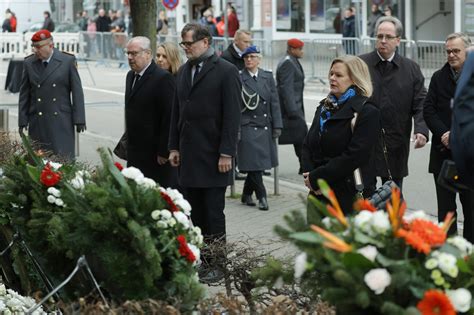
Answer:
(136, 235)
(380, 262)
(13, 303)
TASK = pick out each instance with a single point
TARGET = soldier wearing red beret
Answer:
(290, 82)
(51, 97)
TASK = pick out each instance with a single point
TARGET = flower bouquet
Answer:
(377, 262)
(136, 235)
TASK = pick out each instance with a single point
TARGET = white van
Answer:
(27, 11)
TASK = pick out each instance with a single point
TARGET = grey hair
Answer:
(465, 38)
(143, 41)
(396, 22)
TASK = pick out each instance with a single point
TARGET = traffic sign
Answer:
(170, 4)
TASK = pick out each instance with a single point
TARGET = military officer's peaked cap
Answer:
(251, 50)
(295, 43)
(40, 36)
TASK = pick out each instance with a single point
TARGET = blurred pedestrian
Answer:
(147, 124)
(261, 124)
(203, 136)
(162, 24)
(348, 31)
(438, 116)
(168, 57)
(399, 93)
(103, 40)
(6, 27)
(337, 143)
(232, 20)
(290, 83)
(375, 14)
(209, 23)
(13, 20)
(51, 98)
(233, 53)
(83, 20)
(388, 10)
(48, 23)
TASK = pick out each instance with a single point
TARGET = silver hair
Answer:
(143, 41)
(396, 22)
(465, 38)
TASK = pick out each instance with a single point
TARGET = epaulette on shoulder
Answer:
(29, 56)
(287, 57)
(68, 53)
(268, 71)
(240, 71)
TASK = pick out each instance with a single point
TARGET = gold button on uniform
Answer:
(39, 99)
(40, 113)
(54, 99)
(54, 84)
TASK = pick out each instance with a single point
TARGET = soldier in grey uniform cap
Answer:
(51, 97)
(261, 124)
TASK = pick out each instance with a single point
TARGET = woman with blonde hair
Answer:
(343, 134)
(168, 57)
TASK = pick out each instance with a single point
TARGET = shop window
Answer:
(290, 15)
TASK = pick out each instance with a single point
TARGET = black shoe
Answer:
(240, 176)
(267, 173)
(263, 204)
(247, 199)
(214, 275)
(300, 171)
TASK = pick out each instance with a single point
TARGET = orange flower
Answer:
(435, 303)
(428, 231)
(414, 240)
(364, 204)
(335, 210)
(396, 210)
(333, 242)
(448, 220)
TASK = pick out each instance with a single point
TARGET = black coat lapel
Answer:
(208, 65)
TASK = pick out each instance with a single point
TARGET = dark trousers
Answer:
(254, 182)
(447, 203)
(207, 209)
(298, 149)
(398, 181)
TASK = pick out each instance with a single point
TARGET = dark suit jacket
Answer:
(437, 114)
(231, 55)
(52, 102)
(205, 122)
(147, 117)
(335, 153)
(399, 94)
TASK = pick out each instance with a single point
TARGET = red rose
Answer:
(184, 249)
(49, 177)
(169, 201)
(119, 166)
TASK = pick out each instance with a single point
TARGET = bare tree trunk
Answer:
(144, 20)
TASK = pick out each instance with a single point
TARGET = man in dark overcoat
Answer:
(437, 113)
(233, 53)
(51, 98)
(204, 128)
(149, 96)
(290, 84)
(399, 92)
(261, 124)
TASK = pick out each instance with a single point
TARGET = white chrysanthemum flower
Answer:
(54, 165)
(132, 173)
(196, 252)
(51, 199)
(182, 218)
(446, 262)
(462, 244)
(362, 220)
(145, 182)
(453, 272)
(59, 202)
(77, 182)
(3, 289)
(174, 194)
(460, 298)
(369, 252)
(419, 214)
(380, 222)
(166, 214)
(377, 280)
(155, 214)
(55, 192)
(431, 264)
(14, 304)
(300, 265)
(161, 224)
(171, 222)
(184, 205)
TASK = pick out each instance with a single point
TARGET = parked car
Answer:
(62, 27)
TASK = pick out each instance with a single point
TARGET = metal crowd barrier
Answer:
(431, 56)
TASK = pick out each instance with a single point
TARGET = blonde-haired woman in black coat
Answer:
(332, 150)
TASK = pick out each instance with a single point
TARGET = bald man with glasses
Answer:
(399, 92)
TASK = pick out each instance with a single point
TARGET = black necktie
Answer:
(45, 64)
(196, 72)
(255, 77)
(135, 79)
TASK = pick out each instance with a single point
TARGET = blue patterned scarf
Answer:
(332, 104)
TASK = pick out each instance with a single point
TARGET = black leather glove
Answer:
(276, 133)
(21, 129)
(81, 127)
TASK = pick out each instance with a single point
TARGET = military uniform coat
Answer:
(398, 93)
(147, 119)
(257, 149)
(205, 122)
(52, 102)
(290, 84)
(437, 114)
(337, 151)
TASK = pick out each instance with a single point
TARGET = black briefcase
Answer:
(120, 149)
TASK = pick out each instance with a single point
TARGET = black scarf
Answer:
(206, 55)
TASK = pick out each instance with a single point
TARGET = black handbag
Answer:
(120, 149)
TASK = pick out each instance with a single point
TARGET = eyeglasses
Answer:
(250, 57)
(386, 37)
(189, 44)
(38, 46)
(132, 53)
(454, 51)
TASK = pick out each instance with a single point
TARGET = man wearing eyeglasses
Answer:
(203, 135)
(437, 113)
(149, 92)
(51, 98)
(399, 92)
